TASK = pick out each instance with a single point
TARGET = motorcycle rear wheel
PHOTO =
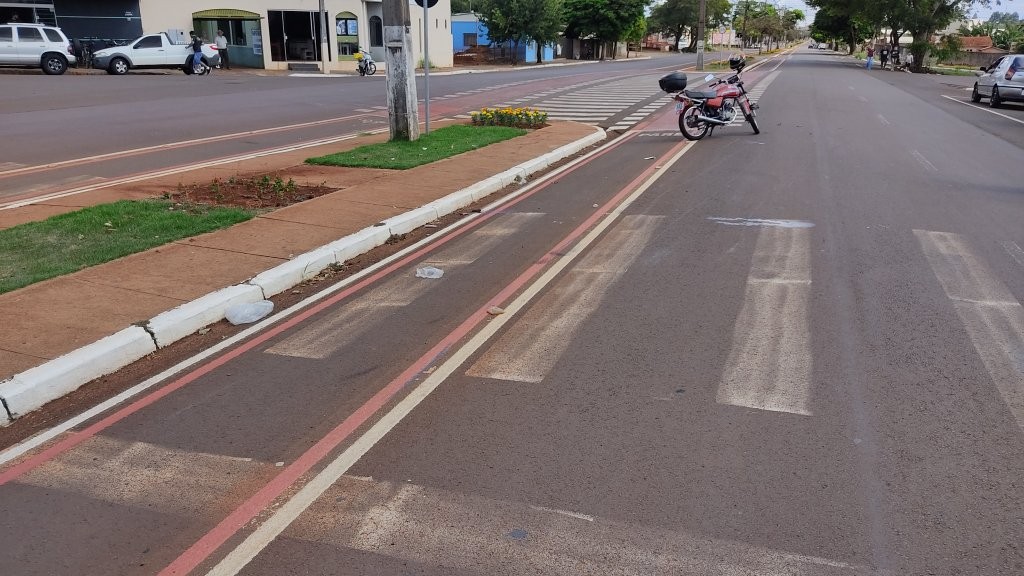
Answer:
(371, 68)
(690, 126)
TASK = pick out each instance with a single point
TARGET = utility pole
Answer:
(403, 112)
(700, 35)
(325, 61)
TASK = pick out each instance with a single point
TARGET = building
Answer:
(469, 32)
(271, 34)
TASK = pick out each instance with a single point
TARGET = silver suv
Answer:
(1001, 81)
(35, 45)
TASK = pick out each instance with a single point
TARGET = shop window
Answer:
(346, 28)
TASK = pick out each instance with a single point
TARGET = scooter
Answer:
(700, 111)
(366, 65)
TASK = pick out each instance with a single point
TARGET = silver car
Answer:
(35, 46)
(1002, 81)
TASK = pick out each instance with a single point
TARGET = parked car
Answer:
(151, 51)
(35, 45)
(1001, 81)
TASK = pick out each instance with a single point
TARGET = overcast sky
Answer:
(977, 11)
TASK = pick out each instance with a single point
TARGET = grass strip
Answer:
(439, 144)
(69, 242)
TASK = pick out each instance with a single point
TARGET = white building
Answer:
(271, 34)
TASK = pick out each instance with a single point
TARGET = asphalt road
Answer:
(791, 353)
(70, 131)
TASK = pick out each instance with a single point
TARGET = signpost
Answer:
(426, 62)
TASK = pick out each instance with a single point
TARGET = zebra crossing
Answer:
(608, 104)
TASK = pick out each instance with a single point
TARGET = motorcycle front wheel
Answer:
(691, 126)
(371, 68)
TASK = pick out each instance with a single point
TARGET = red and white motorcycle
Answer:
(700, 111)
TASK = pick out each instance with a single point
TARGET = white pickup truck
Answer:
(151, 51)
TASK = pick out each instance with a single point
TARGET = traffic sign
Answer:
(430, 3)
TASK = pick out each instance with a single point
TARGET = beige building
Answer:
(278, 35)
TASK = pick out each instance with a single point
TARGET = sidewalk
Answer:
(62, 333)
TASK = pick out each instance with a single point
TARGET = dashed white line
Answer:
(923, 161)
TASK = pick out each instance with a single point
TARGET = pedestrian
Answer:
(884, 56)
(222, 49)
(871, 57)
(895, 57)
(197, 50)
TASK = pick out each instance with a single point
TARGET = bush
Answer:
(514, 117)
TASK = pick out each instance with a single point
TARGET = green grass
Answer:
(439, 144)
(65, 243)
(954, 71)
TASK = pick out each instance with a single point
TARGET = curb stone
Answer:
(31, 389)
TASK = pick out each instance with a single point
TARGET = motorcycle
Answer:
(700, 111)
(365, 65)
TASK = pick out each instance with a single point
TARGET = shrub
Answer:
(514, 117)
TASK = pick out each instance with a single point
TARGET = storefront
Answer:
(241, 28)
(119, 20)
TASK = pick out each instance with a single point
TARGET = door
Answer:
(8, 51)
(30, 45)
(149, 51)
(985, 80)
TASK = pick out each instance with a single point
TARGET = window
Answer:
(469, 39)
(29, 34)
(347, 27)
(149, 42)
(53, 35)
(376, 31)
(6, 34)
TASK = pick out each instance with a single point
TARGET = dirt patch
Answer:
(260, 193)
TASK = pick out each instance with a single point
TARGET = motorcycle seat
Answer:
(702, 94)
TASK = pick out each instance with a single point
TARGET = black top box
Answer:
(674, 82)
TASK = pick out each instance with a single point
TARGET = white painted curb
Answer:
(31, 389)
(37, 386)
(179, 322)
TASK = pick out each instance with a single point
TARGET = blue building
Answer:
(468, 32)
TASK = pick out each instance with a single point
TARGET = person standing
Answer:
(884, 55)
(197, 50)
(222, 49)
(871, 57)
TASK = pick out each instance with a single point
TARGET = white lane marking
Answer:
(993, 318)
(862, 99)
(143, 475)
(182, 169)
(428, 526)
(325, 336)
(884, 120)
(171, 145)
(977, 107)
(528, 351)
(761, 222)
(923, 161)
(6, 166)
(260, 538)
(769, 365)
(1015, 252)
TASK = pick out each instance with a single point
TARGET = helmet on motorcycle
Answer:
(737, 62)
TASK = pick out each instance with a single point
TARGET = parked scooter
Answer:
(366, 65)
(700, 111)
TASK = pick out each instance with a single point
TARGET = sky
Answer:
(977, 11)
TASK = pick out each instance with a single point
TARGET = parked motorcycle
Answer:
(700, 111)
(365, 65)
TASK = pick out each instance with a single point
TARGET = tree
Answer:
(605, 20)
(676, 17)
(460, 6)
(635, 34)
(520, 21)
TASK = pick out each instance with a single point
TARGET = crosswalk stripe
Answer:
(325, 336)
(994, 319)
(532, 346)
(769, 365)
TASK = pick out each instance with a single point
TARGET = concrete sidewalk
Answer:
(62, 333)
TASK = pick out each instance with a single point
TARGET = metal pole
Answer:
(324, 43)
(426, 68)
(700, 35)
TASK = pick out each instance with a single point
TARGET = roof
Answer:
(975, 43)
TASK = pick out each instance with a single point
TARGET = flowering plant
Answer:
(514, 117)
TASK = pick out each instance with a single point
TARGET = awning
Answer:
(226, 14)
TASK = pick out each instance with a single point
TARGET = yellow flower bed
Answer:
(515, 117)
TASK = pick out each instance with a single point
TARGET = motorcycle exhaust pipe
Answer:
(709, 120)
